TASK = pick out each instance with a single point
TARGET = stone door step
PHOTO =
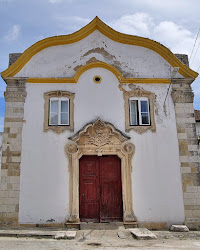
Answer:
(121, 235)
(142, 234)
(101, 226)
(179, 228)
(38, 233)
(65, 235)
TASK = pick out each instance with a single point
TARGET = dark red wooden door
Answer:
(89, 188)
(100, 191)
(111, 189)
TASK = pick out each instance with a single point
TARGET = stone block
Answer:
(70, 235)
(142, 234)
(65, 235)
(60, 235)
(16, 159)
(14, 179)
(13, 172)
(3, 186)
(11, 201)
(7, 209)
(185, 170)
(121, 235)
(194, 170)
(13, 194)
(192, 189)
(15, 187)
(13, 130)
(194, 159)
(3, 194)
(190, 195)
(182, 136)
(190, 201)
(179, 228)
(184, 159)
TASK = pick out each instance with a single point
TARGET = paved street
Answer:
(105, 239)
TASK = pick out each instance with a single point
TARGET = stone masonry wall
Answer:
(188, 149)
(11, 150)
(1, 134)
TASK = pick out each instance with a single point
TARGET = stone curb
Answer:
(38, 233)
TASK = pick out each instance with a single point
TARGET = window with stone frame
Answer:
(139, 111)
(59, 111)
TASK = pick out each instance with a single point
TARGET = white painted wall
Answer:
(132, 61)
(44, 195)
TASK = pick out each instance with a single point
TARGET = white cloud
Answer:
(176, 37)
(71, 23)
(136, 24)
(179, 40)
(13, 33)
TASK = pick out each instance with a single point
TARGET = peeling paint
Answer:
(77, 67)
(110, 58)
(101, 51)
(91, 60)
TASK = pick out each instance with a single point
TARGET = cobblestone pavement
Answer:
(106, 239)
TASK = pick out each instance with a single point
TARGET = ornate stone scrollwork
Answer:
(128, 148)
(71, 148)
(100, 138)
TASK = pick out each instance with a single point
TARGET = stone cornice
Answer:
(182, 91)
(15, 90)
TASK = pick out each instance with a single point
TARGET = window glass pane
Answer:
(64, 118)
(54, 106)
(144, 106)
(133, 112)
(54, 119)
(64, 106)
(145, 118)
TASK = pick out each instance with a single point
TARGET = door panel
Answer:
(89, 188)
(100, 191)
(111, 191)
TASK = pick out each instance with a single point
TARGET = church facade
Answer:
(99, 126)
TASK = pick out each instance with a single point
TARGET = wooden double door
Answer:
(100, 189)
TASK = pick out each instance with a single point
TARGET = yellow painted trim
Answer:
(104, 65)
(51, 80)
(97, 24)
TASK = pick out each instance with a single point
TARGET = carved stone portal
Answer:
(100, 138)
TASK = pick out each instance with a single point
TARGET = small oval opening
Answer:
(97, 79)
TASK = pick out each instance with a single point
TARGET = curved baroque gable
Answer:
(97, 24)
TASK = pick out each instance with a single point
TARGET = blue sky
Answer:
(175, 24)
